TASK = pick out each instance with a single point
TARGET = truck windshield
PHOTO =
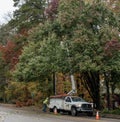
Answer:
(77, 99)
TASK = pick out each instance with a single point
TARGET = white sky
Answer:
(6, 6)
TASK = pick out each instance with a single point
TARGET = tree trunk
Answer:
(107, 90)
(112, 91)
(92, 83)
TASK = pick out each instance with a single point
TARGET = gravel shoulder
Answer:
(23, 108)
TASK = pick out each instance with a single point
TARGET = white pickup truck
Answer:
(71, 104)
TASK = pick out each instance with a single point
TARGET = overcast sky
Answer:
(6, 6)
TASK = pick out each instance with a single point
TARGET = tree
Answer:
(28, 14)
(88, 35)
(6, 33)
(10, 54)
(76, 41)
(2, 68)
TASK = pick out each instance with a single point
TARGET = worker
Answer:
(45, 104)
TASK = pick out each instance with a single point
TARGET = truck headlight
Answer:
(79, 105)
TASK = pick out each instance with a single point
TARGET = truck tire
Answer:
(90, 114)
(51, 110)
(73, 111)
(58, 111)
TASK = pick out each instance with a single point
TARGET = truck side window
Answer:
(68, 99)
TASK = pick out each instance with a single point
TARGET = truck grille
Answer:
(87, 106)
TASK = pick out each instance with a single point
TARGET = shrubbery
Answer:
(115, 111)
(22, 93)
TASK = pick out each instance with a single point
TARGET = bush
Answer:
(116, 111)
(20, 91)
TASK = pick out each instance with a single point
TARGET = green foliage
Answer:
(84, 31)
(116, 111)
(6, 33)
(29, 14)
(34, 63)
(69, 13)
(78, 40)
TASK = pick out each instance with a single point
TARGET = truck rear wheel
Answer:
(73, 111)
(51, 110)
(55, 109)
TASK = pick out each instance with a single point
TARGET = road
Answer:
(16, 115)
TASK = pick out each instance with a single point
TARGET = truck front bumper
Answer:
(84, 110)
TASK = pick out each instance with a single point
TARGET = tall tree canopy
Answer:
(82, 38)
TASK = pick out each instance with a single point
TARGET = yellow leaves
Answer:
(20, 90)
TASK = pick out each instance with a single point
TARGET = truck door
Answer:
(67, 103)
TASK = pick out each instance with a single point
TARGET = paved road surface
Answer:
(16, 115)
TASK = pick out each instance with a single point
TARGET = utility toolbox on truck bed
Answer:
(71, 104)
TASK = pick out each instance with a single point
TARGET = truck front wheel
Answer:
(90, 114)
(73, 111)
